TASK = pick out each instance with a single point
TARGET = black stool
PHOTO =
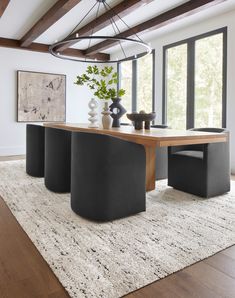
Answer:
(35, 135)
(57, 159)
(107, 177)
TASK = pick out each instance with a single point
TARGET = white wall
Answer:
(12, 134)
(217, 22)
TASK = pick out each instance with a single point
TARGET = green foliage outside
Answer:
(144, 84)
(126, 83)
(176, 86)
(102, 81)
(208, 83)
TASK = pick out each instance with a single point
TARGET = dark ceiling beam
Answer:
(3, 6)
(189, 8)
(122, 9)
(43, 48)
(56, 12)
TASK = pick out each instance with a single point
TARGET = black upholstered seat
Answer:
(191, 153)
(203, 170)
(35, 150)
(161, 157)
(107, 177)
(160, 126)
(57, 159)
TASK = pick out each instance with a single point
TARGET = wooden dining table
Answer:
(150, 139)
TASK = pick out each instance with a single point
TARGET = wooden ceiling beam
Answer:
(189, 8)
(3, 6)
(56, 12)
(43, 48)
(122, 9)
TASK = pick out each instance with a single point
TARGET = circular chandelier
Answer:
(56, 49)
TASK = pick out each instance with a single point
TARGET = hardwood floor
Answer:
(211, 278)
(25, 274)
(23, 271)
(14, 157)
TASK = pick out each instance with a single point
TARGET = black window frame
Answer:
(134, 95)
(190, 117)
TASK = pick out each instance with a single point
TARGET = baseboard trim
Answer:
(10, 151)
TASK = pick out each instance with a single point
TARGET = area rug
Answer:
(111, 259)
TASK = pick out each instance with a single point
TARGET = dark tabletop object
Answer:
(139, 118)
(117, 111)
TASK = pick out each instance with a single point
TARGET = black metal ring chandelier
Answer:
(73, 38)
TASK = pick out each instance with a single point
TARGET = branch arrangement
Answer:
(103, 82)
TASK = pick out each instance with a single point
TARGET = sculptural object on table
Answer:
(117, 111)
(139, 118)
(93, 114)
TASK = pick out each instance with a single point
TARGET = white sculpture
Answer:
(93, 119)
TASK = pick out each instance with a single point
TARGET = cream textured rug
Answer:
(112, 259)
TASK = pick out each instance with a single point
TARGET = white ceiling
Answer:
(21, 15)
(69, 21)
(211, 12)
(140, 15)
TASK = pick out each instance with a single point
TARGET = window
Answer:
(137, 78)
(125, 73)
(209, 81)
(144, 84)
(176, 78)
(194, 85)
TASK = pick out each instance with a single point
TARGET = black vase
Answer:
(117, 111)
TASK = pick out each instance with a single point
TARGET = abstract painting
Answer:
(41, 97)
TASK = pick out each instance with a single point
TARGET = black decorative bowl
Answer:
(139, 118)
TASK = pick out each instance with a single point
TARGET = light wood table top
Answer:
(153, 137)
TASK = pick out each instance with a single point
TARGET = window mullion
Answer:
(224, 90)
(153, 82)
(134, 85)
(164, 90)
(190, 84)
(119, 76)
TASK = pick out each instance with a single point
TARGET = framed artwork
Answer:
(41, 97)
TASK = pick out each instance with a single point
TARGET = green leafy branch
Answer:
(102, 82)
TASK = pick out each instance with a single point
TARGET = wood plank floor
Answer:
(25, 274)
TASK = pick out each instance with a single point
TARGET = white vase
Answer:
(93, 114)
(107, 120)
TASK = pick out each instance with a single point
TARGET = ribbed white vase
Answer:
(107, 120)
